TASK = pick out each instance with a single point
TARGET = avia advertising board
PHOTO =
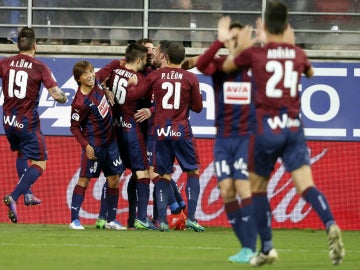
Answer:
(329, 112)
(329, 101)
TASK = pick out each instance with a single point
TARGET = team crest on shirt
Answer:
(103, 107)
(237, 93)
(75, 117)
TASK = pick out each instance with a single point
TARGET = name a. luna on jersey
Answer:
(22, 64)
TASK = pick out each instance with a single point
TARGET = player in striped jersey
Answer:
(173, 132)
(92, 126)
(233, 126)
(22, 76)
(278, 132)
(128, 131)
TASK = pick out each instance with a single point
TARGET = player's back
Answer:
(176, 92)
(232, 101)
(276, 69)
(22, 77)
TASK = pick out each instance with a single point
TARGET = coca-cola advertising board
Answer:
(329, 113)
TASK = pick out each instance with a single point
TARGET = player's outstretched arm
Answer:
(57, 94)
(189, 62)
(244, 41)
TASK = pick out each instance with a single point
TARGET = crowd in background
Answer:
(190, 21)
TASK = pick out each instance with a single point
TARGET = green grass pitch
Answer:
(29, 246)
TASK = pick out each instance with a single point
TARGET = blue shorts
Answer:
(107, 160)
(287, 144)
(133, 151)
(183, 150)
(231, 158)
(30, 143)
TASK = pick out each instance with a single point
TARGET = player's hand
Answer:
(110, 96)
(62, 98)
(133, 80)
(189, 62)
(244, 38)
(185, 64)
(142, 114)
(90, 153)
(223, 31)
(260, 32)
(289, 35)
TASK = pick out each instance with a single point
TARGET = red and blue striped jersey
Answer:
(276, 72)
(91, 118)
(22, 76)
(176, 92)
(123, 111)
(231, 119)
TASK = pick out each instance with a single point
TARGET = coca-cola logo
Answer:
(287, 205)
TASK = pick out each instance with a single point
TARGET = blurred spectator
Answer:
(12, 17)
(230, 6)
(336, 22)
(171, 19)
(203, 38)
(121, 19)
(80, 19)
(48, 17)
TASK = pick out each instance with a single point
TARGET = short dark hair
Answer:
(176, 53)
(236, 25)
(145, 40)
(135, 51)
(26, 39)
(79, 68)
(164, 45)
(276, 17)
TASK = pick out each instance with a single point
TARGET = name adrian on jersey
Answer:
(281, 53)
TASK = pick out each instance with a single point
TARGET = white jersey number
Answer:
(222, 168)
(119, 89)
(287, 74)
(17, 83)
(172, 90)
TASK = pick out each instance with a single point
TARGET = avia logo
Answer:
(284, 122)
(11, 121)
(168, 132)
(237, 92)
(117, 162)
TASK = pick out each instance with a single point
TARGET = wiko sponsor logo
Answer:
(284, 122)
(117, 162)
(121, 123)
(125, 124)
(11, 121)
(168, 132)
(241, 165)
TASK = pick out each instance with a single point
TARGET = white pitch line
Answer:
(158, 247)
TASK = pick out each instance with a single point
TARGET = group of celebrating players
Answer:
(134, 113)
